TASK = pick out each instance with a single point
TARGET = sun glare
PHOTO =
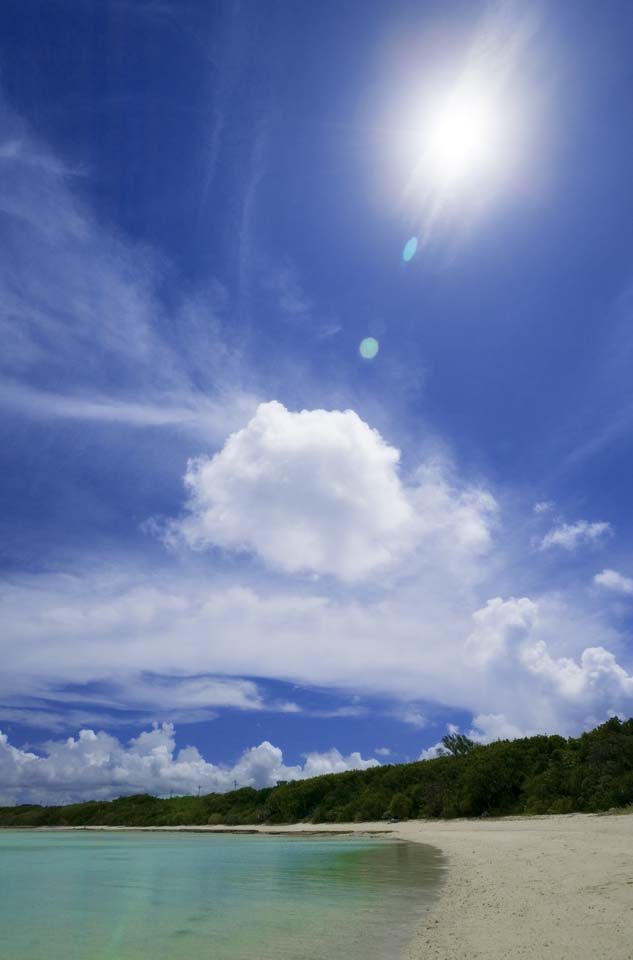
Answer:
(462, 138)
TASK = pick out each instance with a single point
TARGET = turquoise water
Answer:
(166, 896)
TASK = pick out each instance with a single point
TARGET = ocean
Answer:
(74, 895)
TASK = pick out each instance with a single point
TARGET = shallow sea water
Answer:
(167, 896)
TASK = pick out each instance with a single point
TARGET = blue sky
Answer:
(232, 548)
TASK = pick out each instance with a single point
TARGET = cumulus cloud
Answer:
(430, 753)
(495, 726)
(438, 749)
(570, 536)
(543, 506)
(486, 729)
(509, 639)
(96, 765)
(333, 761)
(612, 580)
(91, 640)
(500, 625)
(314, 490)
(319, 491)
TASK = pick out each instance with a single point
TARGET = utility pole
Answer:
(235, 784)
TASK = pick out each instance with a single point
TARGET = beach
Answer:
(516, 888)
(523, 888)
(545, 887)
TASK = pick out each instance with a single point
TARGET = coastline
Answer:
(516, 888)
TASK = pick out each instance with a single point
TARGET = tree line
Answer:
(534, 775)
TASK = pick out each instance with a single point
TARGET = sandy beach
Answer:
(546, 887)
(521, 888)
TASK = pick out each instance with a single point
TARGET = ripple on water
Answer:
(124, 896)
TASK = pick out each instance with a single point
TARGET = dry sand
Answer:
(519, 888)
(546, 887)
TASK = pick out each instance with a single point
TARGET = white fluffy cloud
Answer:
(314, 491)
(615, 581)
(332, 761)
(486, 728)
(319, 491)
(438, 749)
(510, 641)
(570, 536)
(98, 766)
(541, 663)
(494, 726)
(430, 753)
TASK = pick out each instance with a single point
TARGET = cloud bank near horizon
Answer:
(97, 766)
(365, 582)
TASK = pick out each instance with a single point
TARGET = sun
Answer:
(462, 138)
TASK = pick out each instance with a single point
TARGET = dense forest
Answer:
(543, 774)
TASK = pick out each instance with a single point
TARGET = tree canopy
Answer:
(542, 774)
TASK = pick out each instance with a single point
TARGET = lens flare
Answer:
(410, 248)
(368, 348)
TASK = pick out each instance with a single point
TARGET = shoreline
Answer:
(516, 888)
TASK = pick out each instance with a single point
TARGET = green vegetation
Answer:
(535, 775)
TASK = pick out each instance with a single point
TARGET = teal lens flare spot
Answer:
(368, 348)
(409, 249)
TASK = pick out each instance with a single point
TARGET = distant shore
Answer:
(517, 888)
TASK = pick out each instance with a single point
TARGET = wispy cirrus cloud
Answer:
(294, 305)
(571, 536)
(82, 306)
(140, 698)
(193, 411)
(411, 715)
(292, 300)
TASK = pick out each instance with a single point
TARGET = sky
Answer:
(317, 407)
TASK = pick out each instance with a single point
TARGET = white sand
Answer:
(532, 888)
(550, 887)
